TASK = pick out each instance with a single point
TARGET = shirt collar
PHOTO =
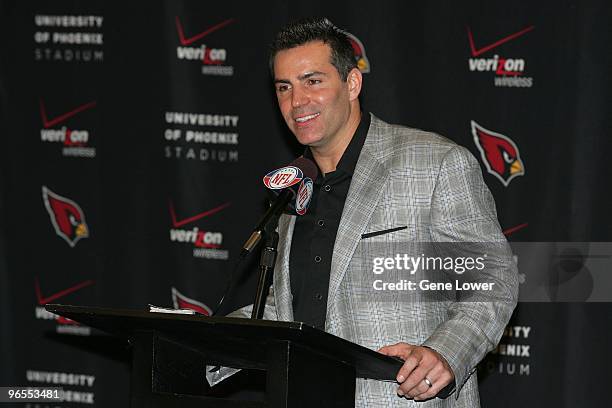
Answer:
(349, 158)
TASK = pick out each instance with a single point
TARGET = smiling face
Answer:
(315, 102)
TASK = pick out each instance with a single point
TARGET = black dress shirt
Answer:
(314, 234)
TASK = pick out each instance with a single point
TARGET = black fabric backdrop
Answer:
(161, 210)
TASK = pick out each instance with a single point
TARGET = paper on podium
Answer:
(161, 309)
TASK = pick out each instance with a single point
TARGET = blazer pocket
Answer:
(377, 233)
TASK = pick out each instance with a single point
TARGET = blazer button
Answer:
(321, 223)
(327, 187)
(318, 296)
(317, 259)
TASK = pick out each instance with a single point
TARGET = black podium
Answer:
(305, 367)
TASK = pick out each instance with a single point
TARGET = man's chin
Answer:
(308, 140)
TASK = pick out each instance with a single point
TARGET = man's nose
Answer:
(299, 97)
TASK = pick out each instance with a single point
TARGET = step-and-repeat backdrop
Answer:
(134, 136)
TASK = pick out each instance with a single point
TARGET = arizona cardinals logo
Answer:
(499, 153)
(66, 216)
(181, 301)
(360, 55)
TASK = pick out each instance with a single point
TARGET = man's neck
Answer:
(328, 157)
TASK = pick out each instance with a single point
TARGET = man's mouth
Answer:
(302, 120)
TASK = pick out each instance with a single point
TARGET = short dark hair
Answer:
(312, 29)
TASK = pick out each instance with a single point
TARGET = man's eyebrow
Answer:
(311, 74)
(301, 77)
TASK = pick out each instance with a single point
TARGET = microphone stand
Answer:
(266, 266)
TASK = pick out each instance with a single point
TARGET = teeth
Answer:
(305, 118)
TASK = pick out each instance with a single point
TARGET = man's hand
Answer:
(424, 373)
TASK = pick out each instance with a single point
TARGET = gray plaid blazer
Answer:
(407, 177)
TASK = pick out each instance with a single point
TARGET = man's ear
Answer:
(353, 80)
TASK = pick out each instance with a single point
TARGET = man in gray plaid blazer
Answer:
(407, 186)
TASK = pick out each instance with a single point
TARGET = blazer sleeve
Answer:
(269, 310)
(463, 210)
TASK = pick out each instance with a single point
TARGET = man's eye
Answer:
(314, 81)
(282, 88)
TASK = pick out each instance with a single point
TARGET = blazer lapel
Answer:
(366, 187)
(283, 300)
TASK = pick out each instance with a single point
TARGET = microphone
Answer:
(293, 186)
(298, 177)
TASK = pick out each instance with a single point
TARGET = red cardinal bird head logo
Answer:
(181, 301)
(499, 153)
(360, 55)
(66, 216)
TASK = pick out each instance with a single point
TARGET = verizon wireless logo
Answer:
(205, 244)
(56, 129)
(213, 61)
(63, 324)
(506, 71)
(509, 231)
